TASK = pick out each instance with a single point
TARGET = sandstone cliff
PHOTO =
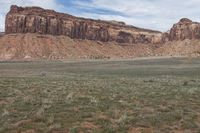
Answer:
(185, 29)
(38, 20)
(36, 33)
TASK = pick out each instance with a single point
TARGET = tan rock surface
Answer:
(185, 29)
(35, 46)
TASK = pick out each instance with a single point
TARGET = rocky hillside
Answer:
(36, 33)
(185, 29)
(38, 20)
(35, 46)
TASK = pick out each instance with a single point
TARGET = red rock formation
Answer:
(38, 20)
(52, 35)
(185, 29)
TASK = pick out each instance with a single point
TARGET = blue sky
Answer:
(151, 14)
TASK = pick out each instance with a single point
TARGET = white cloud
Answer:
(152, 14)
(156, 14)
(2, 20)
(5, 6)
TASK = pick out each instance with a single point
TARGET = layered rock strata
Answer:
(38, 20)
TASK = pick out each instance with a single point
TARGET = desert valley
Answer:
(65, 74)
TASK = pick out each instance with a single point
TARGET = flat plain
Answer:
(134, 96)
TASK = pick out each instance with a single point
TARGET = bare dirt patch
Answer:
(89, 125)
(22, 122)
(140, 130)
(3, 102)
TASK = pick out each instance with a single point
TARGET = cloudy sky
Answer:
(152, 14)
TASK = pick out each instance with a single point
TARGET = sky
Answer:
(152, 14)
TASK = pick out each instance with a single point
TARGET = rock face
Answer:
(1, 34)
(185, 29)
(38, 20)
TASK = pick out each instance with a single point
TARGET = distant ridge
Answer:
(37, 33)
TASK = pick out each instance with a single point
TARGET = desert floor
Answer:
(119, 96)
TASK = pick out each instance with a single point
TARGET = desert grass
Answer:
(159, 95)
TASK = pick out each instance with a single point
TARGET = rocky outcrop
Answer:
(1, 34)
(38, 20)
(185, 29)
